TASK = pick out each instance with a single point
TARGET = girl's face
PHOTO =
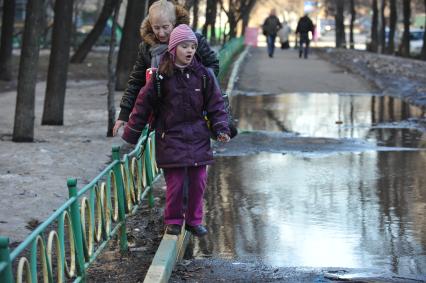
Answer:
(185, 52)
(162, 28)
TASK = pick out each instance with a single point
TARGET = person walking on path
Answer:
(304, 26)
(283, 35)
(270, 28)
(155, 31)
(183, 150)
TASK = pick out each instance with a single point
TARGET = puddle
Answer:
(382, 120)
(352, 210)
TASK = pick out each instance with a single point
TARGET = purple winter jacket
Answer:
(182, 136)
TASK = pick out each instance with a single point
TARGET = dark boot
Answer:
(173, 229)
(197, 231)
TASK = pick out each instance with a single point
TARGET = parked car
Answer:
(416, 41)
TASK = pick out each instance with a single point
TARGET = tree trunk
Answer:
(423, 54)
(111, 72)
(209, 25)
(351, 28)
(195, 9)
(382, 26)
(246, 15)
(232, 27)
(189, 3)
(374, 22)
(340, 25)
(405, 46)
(129, 42)
(94, 34)
(23, 129)
(53, 111)
(392, 26)
(213, 37)
(7, 40)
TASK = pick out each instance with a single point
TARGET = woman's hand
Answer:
(223, 137)
(118, 124)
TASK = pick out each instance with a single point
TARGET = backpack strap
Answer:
(157, 79)
(157, 83)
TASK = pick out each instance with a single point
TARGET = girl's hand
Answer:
(118, 124)
(223, 137)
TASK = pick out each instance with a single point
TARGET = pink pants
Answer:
(180, 180)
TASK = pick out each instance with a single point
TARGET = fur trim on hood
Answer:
(147, 34)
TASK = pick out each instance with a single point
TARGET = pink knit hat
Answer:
(180, 34)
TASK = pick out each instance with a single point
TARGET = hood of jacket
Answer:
(147, 34)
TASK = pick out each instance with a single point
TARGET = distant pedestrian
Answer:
(283, 35)
(188, 90)
(304, 26)
(270, 28)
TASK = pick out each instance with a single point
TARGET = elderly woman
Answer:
(155, 31)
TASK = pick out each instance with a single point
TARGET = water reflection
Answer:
(373, 118)
(363, 210)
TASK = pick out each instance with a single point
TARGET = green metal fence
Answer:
(226, 55)
(62, 247)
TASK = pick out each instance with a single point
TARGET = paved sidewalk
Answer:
(285, 72)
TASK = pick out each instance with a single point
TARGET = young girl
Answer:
(182, 136)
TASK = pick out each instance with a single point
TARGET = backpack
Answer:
(157, 79)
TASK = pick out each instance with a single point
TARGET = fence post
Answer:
(6, 274)
(76, 227)
(121, 198)
(149, 170)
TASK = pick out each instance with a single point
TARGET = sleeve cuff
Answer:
(130, 135)
(124, 114)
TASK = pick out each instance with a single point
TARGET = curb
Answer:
(235, 69)
(171, 250)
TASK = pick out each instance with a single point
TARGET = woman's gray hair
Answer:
(162, 8)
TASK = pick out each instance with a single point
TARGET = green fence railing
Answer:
(226, 55)
(64, 245)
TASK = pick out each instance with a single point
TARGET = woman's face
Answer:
(162, 28)
(185, 52)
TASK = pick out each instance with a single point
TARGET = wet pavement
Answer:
(321, 180)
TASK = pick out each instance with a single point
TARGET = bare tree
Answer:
(392, 26)
(94, 34)
(382, 41)
(405, 44)
(111, 71)
(374, 24)
(53, 112)
(129, 42)
(236, 9)
(351, 27)
(423, 54)
(211, 12)
(23, 128)
(245, 14)
(77, 10)
(195, 9)
(189, 3)
(340, 25)
(7, 40)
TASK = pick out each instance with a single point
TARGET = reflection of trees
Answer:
(387, 109)
(398, 196)
(232, 225)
